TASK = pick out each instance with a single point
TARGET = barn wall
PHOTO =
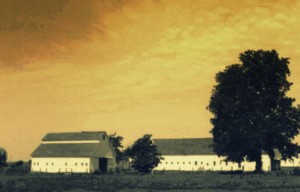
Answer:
(295, 162)
(206, 163)
(94, 164)
(61, 165)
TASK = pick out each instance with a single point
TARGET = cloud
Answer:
(128, 65)
(38, 29)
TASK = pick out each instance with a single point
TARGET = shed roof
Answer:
(189, 146)
(74, 136)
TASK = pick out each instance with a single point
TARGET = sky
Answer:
(127, 66)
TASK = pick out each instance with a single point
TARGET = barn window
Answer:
(183, 162)
(226, 163)
(52, 163)
(201, 163)
(189, 162)
(66, 164)
(239, 165)
(86, 164)
(47, 164)
(81, 164)
(37, 163)
(75, 164)
(196, 162)
(207, 163)
(177, 162)
(166, 162)
(172, 162)
(214, 163)
(103, 137)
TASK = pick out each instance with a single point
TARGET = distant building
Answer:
(75, 152)
(197, 155)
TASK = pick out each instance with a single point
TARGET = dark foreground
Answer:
(200, 181)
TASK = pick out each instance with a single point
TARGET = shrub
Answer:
(296, 171)
(17, 164)
(17, 170)
(3, 157)
(281, 173)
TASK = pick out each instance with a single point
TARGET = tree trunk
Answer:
(273, 164)
(258, 165)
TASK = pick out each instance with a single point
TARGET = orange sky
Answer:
(131, 67)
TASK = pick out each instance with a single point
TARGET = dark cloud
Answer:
(40, 29)
(19, 15)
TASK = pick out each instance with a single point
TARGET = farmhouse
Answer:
(197, 155)
(75, 152)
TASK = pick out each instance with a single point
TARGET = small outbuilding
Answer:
(74, 152)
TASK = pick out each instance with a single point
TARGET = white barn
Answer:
(197, 154)
(75, 152)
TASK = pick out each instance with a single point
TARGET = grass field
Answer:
(199, 181)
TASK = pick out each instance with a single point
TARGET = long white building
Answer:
(76, 152)
(197, 154)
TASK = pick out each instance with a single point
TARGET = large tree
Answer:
(252, 113)
(144, 154)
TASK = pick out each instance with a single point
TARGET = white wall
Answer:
(62, 165)
(290, 163)
(94, 164)
(205, 163)
(69, 165)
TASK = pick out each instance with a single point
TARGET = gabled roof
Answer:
(193, 146)
(74, 136)
(65, 150)
(99, 150)
(65, 146)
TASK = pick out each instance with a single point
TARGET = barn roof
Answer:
(193, 146)
(73, 150)
(74, 136)
(62, 145)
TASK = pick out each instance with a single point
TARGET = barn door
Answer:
(103, 165)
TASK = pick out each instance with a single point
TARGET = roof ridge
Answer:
(77, 132)
(183, 138)
(68, 136)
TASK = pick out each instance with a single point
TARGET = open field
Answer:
(207, 181)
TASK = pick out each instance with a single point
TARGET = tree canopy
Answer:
(252, 113)
(144, 154)
(3, 157)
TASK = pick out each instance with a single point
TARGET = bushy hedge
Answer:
(17, 170)
(296, 171)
